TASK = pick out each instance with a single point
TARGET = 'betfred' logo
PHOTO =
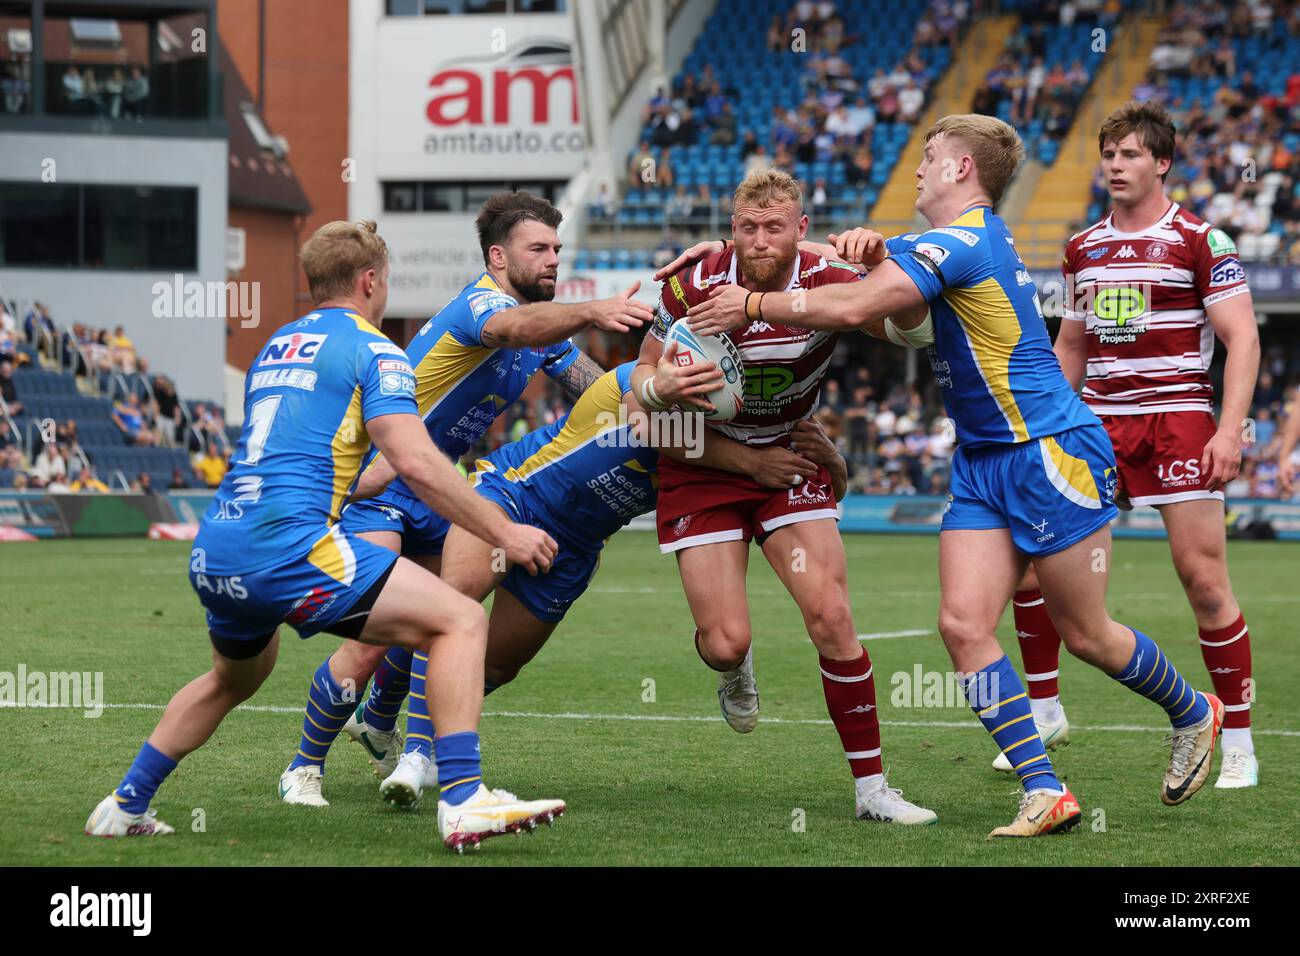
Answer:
(481, 94)
(295, 349)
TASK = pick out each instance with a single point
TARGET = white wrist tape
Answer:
(917, 338)
(649, 398)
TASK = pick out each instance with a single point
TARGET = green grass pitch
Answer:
(619, 717)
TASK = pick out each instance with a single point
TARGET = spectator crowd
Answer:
(145, 409)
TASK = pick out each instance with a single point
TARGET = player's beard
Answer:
(532, 288)
(767, 271)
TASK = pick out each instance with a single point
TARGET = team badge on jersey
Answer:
(1220, 244)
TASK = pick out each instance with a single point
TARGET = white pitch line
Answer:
(687, 719)
(881, 635)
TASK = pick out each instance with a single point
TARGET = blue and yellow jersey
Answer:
(586, 474)
(307, 399)
(992, 356)
(462, 385)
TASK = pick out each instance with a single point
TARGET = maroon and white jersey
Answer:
(784, 365)
(1144, 296)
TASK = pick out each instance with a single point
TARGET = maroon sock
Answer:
(1226, 651)
(851, 701)
(1040, 645)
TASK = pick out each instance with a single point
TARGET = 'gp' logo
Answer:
(766, 383)
(1119, 305)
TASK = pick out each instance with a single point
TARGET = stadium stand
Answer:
(67, 382)
(837, 117)
(1231, 78)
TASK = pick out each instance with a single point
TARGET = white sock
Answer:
(869, 783)
(1237, 738)
(1047, 710)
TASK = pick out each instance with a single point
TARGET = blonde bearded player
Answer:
(1033, 474)
(1149, 287)
(708, 517)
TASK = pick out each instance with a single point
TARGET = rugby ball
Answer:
(694, 349)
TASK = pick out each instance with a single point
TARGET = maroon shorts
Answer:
(1159, 455)
(705, 506)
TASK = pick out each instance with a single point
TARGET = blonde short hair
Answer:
(336, 253)
(767, 187)
(994, 146)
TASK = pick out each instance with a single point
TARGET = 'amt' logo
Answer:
(297, 348)
(464, 95)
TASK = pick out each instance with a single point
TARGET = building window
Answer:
(460, 197)
(122, 228)
(442, 8)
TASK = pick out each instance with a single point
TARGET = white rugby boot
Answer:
(403, 787)
(302, 785)
(491, 813)
(108, 819)
(1054, 735)
(382, 748)
(877, 800)
(738, 695)
(1239, 769)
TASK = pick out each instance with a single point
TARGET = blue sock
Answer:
(1000, 702)
(391, 684)
(459, 773)
(419, 728)
(1150, 674)
(327, 711)
(148, 771)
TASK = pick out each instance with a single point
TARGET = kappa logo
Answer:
(862, 709)
(1225, 670)
(756, 326)
(1126, 252)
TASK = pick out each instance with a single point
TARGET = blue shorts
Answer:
(423, 530)
(313, 593)
(548, 596)
(1051, 493)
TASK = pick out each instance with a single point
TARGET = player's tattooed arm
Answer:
(579, 376)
